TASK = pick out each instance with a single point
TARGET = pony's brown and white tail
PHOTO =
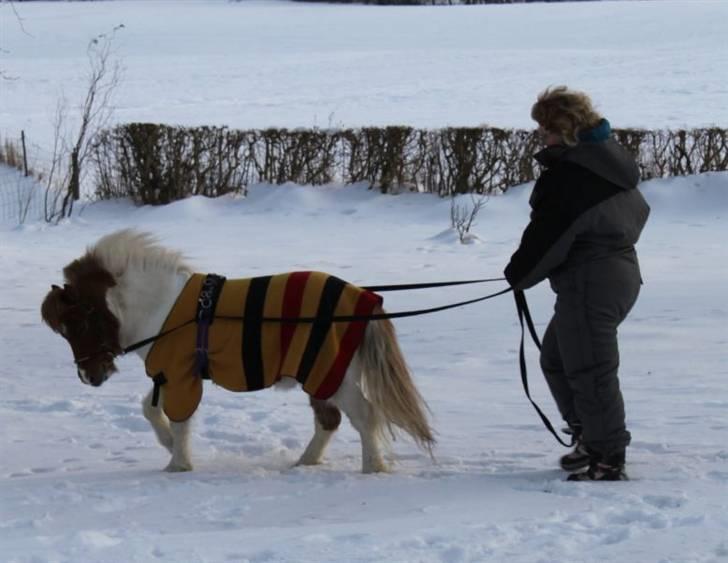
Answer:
(388, 385)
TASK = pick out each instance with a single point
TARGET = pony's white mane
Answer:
(128, 248)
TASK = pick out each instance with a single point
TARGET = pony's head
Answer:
(79, 312)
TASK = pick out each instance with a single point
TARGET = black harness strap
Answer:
(154, 338)
(525, 315)
(206, 303)
(158, 380)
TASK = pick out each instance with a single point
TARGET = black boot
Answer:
(602, 468)
(579, 457)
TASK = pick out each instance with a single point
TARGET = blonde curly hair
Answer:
(565, 113)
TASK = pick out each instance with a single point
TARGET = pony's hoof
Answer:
(178, 467)
(375, 468)
(307, 461)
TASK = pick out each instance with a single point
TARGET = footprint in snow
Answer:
(719, 476)
(664, 501)
(258, 416)
(133, 424)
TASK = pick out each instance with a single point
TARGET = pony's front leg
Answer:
(158, 420)
(174, 436)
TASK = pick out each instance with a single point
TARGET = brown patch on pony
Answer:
(328, 416)
(87, 272)
(78, 311)
(52, 308)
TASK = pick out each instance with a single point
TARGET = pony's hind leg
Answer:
(350, 399)
(326, 420)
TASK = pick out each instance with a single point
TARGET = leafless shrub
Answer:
(157, 164)
(463, 216)
(70, 152)
(11, 154)
(383, 157)
(304, 156)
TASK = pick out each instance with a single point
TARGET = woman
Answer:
(586, 217)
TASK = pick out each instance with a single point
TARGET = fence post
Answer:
(25, 153)
(74, 187)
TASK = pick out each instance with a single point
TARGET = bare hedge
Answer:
(156, 164)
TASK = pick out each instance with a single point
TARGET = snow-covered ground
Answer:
(80, 471)
(659, 63)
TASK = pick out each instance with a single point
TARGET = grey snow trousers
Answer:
(580, 355)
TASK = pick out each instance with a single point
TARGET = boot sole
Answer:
(575, 466)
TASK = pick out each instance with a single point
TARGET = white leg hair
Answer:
(180, 447)
(158, 420)
(174, 436)
(316, 447)
(351, 400)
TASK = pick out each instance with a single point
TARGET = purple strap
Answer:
(201, 358)
(206, 303)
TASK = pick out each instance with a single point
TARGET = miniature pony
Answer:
(121, 292)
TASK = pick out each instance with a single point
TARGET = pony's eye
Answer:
(63, 330)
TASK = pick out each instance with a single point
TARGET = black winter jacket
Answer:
(585, 207)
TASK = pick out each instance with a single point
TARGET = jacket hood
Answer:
(598, 152)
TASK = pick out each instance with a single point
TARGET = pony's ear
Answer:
(52, 306)
(69, 294)
(105, 279)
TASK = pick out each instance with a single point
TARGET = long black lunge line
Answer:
(525, 315)
(334, 319)
(408, 286)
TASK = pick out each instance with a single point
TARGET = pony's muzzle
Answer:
(82, 376)
(95, 380)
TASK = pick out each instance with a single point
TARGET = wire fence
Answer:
(23, 168)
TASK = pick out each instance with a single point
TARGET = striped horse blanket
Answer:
(245, 352)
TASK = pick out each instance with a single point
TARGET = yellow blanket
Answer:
(249, 354)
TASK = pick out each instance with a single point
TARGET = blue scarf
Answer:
(597, 134)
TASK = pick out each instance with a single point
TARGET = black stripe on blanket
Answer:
(251, 349)
(333, 287)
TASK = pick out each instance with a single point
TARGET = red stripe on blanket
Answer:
(349, 343)
(292, 299)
